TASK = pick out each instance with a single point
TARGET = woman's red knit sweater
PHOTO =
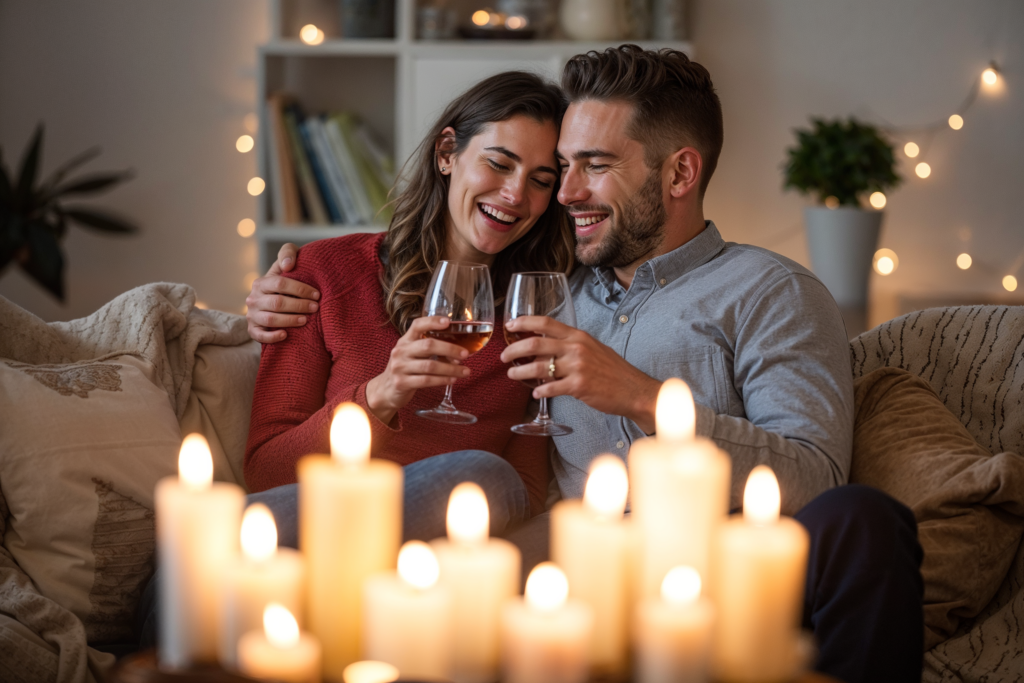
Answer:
(348, 342)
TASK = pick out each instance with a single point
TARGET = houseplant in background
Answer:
(34, 219)
(841, 163)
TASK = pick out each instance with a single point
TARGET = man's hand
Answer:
(276, 301)
(584, 368)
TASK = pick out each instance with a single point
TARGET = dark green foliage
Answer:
(841, 159)
(33, 221)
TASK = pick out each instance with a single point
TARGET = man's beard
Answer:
(634, 234)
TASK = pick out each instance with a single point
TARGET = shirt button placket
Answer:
(623, 319)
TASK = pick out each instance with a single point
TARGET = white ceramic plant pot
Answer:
(842, 243)
(593, 19)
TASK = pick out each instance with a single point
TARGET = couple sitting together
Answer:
(621, 155)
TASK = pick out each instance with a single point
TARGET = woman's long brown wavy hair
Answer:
(417, 235)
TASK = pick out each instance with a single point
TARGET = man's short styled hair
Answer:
(674, 101)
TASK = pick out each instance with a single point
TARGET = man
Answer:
(757, 337)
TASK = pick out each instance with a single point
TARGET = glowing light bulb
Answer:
(195, 464)
(259, 533)
(417, 565)
(469, 518)
(885, 261)
(832, 202)
(246, 227)
(877, 200)
(964, 261)
(350, 435)
(481, 17)
(911, 149)
(675, 416)
(256, 186)
(311, 35)
(280, 626)
(923, 170)
(546, 588)
(244, 143)
(681, 586)
(956, 122)
(989, 76)
(762, 499)
(607, 488)
(516, 22)
(1009, 283)
(370, 672)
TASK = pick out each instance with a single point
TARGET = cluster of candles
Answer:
(678, 588)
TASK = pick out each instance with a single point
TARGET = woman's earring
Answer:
(443, 169)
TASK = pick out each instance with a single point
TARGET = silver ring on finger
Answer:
(551, 368)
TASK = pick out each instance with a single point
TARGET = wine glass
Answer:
(538, 294)
(462, 292)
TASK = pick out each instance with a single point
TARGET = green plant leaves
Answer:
(104, 222)
(29, 170)
(92, 184)
(44, 261)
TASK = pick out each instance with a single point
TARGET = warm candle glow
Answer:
(911, 149)
(956, 122)
(417, 565)
(195, 464)
(256, 186)
(877, 200)
(923, 170)
(481, 17)
(259, 533)
(675, 417)
(516, 22)
(350, 435)
(469, 518)
(607, 488)
(989, 76)
(546, 587)
(246, 227)
(1009, 283)
(370, 672)
(244, 143)
(964, 261)
(761, 497)
(280, 626)
(311, 35)
(681, 586)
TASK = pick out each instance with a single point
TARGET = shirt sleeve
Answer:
(792, 369)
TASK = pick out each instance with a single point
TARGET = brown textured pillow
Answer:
(969, 504)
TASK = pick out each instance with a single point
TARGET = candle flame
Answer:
(681, 586)
(280, 626)
(607, 488)
(469, 518)
(370, 672)
(195, 464)
(259, 533)
(350, 435)
(762, 499)
(546, 588)
(675, 416)
(417, 565)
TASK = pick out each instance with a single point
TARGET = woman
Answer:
(481, 188)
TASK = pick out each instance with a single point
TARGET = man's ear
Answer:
(684, 171)
(444, 150)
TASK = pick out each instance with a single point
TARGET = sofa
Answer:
(93, 411)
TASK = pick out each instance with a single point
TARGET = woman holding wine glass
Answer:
(405, 317)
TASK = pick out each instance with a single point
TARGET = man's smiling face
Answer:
(615, 200)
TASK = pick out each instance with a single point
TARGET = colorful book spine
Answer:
(286, 207)
(308, 129)
(350, 172)
(336, 181)
(307, 183)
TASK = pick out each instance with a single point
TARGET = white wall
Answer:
(163, 86)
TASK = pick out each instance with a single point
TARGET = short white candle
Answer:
(673, 632)
(369, 671)
(279, 651)
(262, 575)
(761, 587)
(480, 574)
(545, 636)
(197, 524)
(407, 616)
(590, 541)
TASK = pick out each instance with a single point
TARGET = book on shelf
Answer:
(325, 168)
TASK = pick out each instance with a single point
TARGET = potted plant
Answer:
(33, 218)
(841, 163)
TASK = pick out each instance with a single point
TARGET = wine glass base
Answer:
(542, 429)
(455, 417)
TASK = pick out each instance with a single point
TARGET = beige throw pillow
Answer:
(968, 503)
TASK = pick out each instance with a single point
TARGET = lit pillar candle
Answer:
(279, 650)
(369, 671)
(262, 575)
(407, 616)
(350, 526)
(197, 522)
(673, 632)
(480, 574)
(590, 541)
(545, 636)
(761, 579)
(680, 491)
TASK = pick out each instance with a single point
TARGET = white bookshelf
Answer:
(398, 86)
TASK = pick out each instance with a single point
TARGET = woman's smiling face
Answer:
(501, 184)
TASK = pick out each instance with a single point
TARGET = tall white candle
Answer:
(262, 575)
(350, 526)
(680, 491)
(590, 541)
(197, 522)
(407, 616)
(280, 651)
(480, 573)
(673, 632)
(761, 587)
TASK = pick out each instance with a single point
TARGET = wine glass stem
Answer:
(542, 414)
(446, 402)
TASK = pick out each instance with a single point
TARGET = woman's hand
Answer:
(413, 366)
